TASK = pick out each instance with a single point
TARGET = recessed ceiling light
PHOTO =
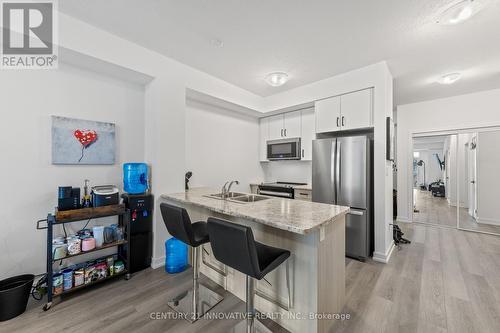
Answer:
(215, 42)
(459, 12)
(450, 78)
(276, 79)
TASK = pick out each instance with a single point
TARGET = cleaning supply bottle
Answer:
(86, 202)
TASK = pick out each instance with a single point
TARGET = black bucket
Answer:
(14, 295)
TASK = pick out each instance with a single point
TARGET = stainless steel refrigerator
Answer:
(342, 174)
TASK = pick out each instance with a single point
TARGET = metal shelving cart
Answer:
(83, 214)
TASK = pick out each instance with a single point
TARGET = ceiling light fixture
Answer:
(450, 78)
(215, 42)
(276, 79)
(458, 13)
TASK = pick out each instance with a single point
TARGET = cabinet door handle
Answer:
(302, 152)
(343, 124)
(338, 121)
(285, 131)
(281, 132)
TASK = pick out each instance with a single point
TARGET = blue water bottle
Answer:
(176, 258)
(135, 178)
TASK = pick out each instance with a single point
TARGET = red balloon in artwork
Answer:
(85, 137)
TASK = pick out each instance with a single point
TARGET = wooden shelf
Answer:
(83, 286)
(105, 246)
(74, 215)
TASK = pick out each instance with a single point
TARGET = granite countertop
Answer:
(296, 216)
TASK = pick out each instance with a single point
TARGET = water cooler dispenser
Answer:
(141, 229)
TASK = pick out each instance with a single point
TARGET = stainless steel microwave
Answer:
(284, 149)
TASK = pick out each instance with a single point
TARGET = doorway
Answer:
(431, 181)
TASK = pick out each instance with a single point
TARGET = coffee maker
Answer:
(141, 229)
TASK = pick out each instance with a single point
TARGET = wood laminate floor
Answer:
(447, 280)
(436, 210)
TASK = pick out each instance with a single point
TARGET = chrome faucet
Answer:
(226, 189)
(223, 191)
(231, 184)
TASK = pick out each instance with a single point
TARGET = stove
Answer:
(279, 189)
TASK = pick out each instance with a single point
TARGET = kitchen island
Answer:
(313, 293)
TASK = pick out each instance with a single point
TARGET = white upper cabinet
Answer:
(291, 127)
(308, 133)
(286, 125)
(264, 136)
(276, 127)
(345, 112)
(356, 110)
(327, 115)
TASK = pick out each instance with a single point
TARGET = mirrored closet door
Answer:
(477, 196)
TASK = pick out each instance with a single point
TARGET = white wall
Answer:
(28, 178)
(457, 162)
(433, 172)
(288, 171)
(221, 145)
(459, 112)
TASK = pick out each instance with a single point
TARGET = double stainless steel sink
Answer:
(238, 197)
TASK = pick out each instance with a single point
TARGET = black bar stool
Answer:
(234, 245)
(195, 302)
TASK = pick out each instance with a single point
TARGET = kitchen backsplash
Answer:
(290, 171)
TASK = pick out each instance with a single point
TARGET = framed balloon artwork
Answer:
(76, 141)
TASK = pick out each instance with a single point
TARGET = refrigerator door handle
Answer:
(338, 162)
(356, 212)
(333, 156)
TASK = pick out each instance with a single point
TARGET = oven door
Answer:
(280, 192)
(286, 149)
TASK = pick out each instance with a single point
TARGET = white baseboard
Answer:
(461, 204)
(157, 262)
(487, 221)
(384, 257)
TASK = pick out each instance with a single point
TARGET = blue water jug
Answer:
(135, 178)
(176, 256)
